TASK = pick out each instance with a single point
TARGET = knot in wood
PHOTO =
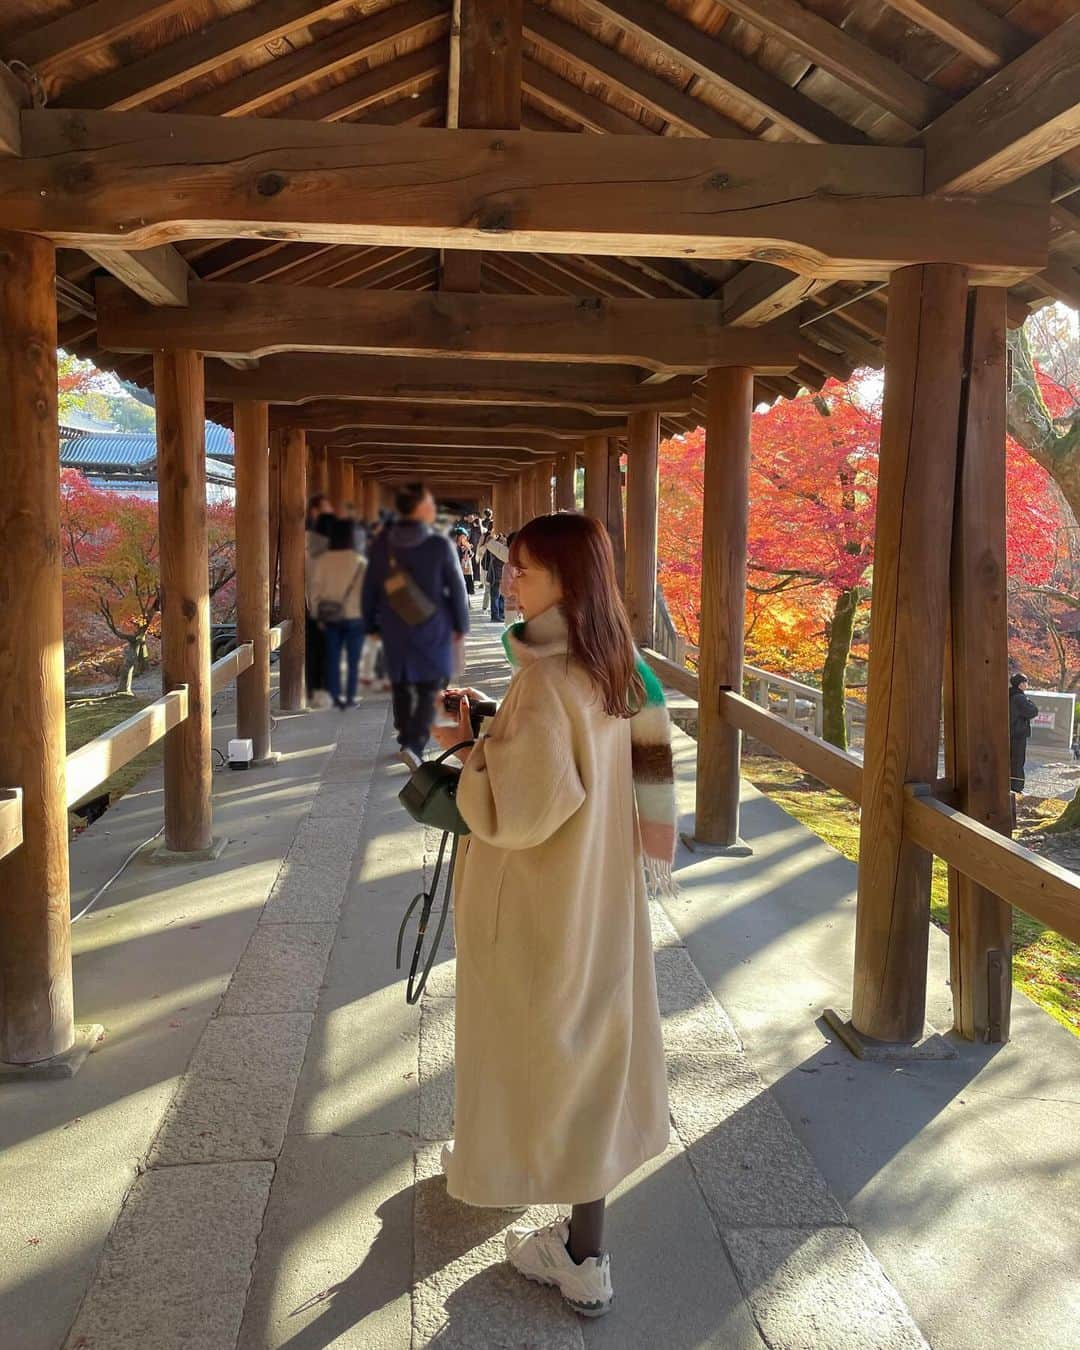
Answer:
(718, 180)
(76, 176)
(495, 220)
(590, 304)
(270, 184)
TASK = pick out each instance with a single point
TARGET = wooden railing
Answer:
(1021, 878)
(10, 820)
(94, 763)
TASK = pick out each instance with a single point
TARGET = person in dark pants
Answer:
(339, 573)
(496, 551)
(1022, 712)
(420, 657)
(318, 524)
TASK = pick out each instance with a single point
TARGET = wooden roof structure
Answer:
(970, 101)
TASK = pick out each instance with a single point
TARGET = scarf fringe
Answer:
(660, 880)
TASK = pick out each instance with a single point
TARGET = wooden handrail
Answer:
(96, 761)
(1040, 888)
(835, 767)
(280, 634)
(1018, 876)
(226, 668)
(11, 832)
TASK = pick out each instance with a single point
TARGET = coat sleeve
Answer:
(371, 590)
(1029, 708)
(521, 782)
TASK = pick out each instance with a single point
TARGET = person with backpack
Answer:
(336, 586)
(414, 596)
(1022, 712)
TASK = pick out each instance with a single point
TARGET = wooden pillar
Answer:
(320, 481)
(293, 501)
(185, 595)
(642, 495)
(36, 1018)
(371, 499)
(977, 674)
(924, 355)
(348, 473)
(729, 410)
(565, 468)
(338, 487)
(596, 477)
(274, 521)
(615, 510)
(253, 574)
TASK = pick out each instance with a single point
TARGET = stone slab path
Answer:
(291, 1198)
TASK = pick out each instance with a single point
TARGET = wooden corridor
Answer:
(478, 242)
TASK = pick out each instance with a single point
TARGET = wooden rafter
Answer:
(968, 26)
(718, 64)
(346, 414)
(1020, 118)
(95, 26)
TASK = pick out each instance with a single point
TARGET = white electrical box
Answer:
(241, 753)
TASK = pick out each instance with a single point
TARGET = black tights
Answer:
(586, 1231)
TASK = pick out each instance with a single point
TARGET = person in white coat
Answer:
(560, 1088)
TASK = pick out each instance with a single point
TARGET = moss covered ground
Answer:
(88, 718)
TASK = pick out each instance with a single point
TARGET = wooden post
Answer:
(642, 494)
(596, 477)
(348, 475)
(730, 406)
(371, 499)
(338, 486)
(36, 1017)
(293, 494)
(253, 574)
(924, 355)
(185, 595)
(321, 480)
(977, 674)
(274, 520)
(565, 468)
(517, 511)
(615, 510)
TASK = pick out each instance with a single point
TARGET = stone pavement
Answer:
(289, 1192)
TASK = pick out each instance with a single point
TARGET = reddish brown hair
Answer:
(577, 549)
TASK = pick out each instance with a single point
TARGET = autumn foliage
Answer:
(112, 586)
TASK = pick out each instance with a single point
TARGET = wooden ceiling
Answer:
(803, 71)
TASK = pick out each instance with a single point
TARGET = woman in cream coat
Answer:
(560, 1081)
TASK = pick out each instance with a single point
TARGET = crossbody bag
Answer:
(333, 611)
(409, 601)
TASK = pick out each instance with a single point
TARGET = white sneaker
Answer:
(410, 759)
(540, 1255)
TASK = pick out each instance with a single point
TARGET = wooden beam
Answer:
(233, 319)
(490, 46)
(36, 1018)
(968, 26)
(91, 179)
(185, 596)
(339, 415)
(371, 39)
(11, 826)
(293, 457)
(74, 35)
(253, 574)
(370, 87)
(657, 95)
(297, 377)
(578, 103)
(720, 65)
(160, 276)
(14, 97)
(977, 674)
(916, 485)
(848, 60)
(642, 496)
(93, 764)
(491, 440)
(1019, 119)
(760, 292)
(134, 83)
(730, 393)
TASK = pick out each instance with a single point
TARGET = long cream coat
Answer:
(560, 1082)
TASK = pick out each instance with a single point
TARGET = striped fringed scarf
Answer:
(650, 748)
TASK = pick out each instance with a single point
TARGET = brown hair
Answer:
(578, 551)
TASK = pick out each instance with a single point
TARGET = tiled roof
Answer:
(133, 450)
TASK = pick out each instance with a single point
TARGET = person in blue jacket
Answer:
(421, 659)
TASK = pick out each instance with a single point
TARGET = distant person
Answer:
(1022, 712)
(460, 535)
(319, 522)
(336, 587)
(496, 551)
(348, 512)
(414, 596)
